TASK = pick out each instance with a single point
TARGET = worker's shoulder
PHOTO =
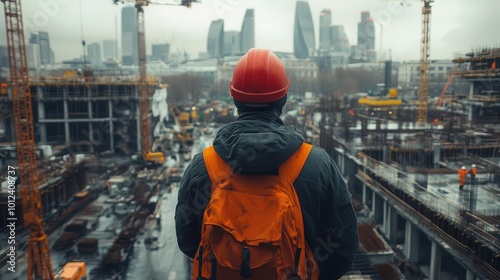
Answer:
(318, 162)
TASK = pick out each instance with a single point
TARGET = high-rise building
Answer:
(366, 37)
(303, 34)
(109, 49)
(325, 21)
(129, 36)
(44, 46)
(159, 52)
(4, 56)
(215, 42)
(247, 35)
(232, 43)
(94, 54)
(339, 40)
(33, 55)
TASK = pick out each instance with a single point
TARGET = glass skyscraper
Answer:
(129, 36)
(247, 35)
(303, 35)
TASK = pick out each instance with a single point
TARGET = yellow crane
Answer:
(38, 255)
(147, 155)
(423, 91)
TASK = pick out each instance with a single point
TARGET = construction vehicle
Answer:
(73, 271)
(183, 128)
(38, 255)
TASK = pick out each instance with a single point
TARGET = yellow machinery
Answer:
(73, 271)
(376, 101)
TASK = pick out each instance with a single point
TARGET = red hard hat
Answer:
(259, 77)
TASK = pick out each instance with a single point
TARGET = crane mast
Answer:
(423, 91)
(143, 87)
(39, 262)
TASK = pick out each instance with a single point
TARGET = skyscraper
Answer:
(129, 36)
(303, 34)
(109, 49)
(4, 56)
(159, 52)
(44, 47)
(215, 41)
(32, 55)
(247, 35)
(325, 20)
(366, 36)
(339, 41)
(232, 43)
(94, 54)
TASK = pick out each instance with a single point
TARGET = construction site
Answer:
(91, 169)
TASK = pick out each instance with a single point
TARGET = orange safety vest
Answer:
(462, 173)
(473, 171)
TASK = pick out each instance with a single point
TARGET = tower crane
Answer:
(38, 255)
(147, 155)
(423, 91)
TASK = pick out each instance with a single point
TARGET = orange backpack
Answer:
(252, 225)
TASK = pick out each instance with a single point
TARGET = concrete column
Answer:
(470, 275)
(111, 137)
(435, 261)
(374, 205)
(91, 129)
(65, 120)
(42, 128)
(470, 109)
(392, 224)
(436, 149)
(412, 242)
(385, 223)
(364, 193)
(385, 153)
(138, 114)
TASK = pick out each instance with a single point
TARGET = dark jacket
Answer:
(259, 142)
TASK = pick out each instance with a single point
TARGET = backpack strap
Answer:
(218, 170)
(291, 168)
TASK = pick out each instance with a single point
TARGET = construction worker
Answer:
(257, 144)
(473, 172)
(462, 172)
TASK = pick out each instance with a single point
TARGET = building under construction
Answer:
(404, 174)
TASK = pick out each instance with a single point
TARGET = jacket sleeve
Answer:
(337, 240)
(193, 196)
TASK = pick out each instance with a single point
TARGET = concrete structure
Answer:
(247, 35)
(129, 36)
(408, 76)
(304, 42)
(215, 40)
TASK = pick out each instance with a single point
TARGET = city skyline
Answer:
(456, 26)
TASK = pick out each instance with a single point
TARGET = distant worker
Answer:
(261, 203)
(461, 173)
(473, 172)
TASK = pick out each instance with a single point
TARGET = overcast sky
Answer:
(456, 25)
